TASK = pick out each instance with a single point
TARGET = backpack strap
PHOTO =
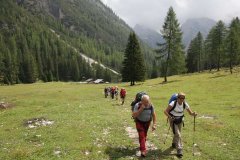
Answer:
(150, 108)
(184, 105)
(174, 106)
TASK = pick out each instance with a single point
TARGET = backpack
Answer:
(137, 99)
(123, 92)
(174, 98)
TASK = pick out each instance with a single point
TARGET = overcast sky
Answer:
(151, 13)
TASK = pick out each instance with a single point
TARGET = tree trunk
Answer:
(165, 78)
(199, 61)
(168, 57)
(132, 83)
(219, 57)
(230, 63)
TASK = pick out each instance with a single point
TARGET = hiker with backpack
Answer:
(116, 92)
(143, 113)
(112, 92)
(175, 114)
(106, 92)
(123, 94)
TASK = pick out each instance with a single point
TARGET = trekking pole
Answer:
(194, 129)
(167, 134)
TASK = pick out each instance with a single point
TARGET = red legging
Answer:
(142, 128)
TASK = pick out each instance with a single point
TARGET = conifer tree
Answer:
(133, 63)
(219, 38)
(2, 66)
(154, 70)
(233, 43)
(209, 50)
(171, 52)
(195, 54)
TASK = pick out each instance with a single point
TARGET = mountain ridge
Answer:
(190, 28)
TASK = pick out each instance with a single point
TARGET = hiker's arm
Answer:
(136, 113)
(191, 112)
(154, 121)
(167, 111)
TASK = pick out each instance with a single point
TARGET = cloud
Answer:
(152, 13)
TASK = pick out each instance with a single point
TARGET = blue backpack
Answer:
(173, 98)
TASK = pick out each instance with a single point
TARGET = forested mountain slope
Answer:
(30, 51)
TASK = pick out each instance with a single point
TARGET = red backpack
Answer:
(123, 92)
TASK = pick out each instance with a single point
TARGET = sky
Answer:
(151, 13)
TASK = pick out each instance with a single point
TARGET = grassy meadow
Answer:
(88, 126)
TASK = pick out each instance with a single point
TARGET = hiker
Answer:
(123, 94)
(116, 92)
(112, 91)
(106, 92)
(175, 114)
(144, 113)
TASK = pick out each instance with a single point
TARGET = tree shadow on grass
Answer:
(169, 82)
(135, 85)
(117, 153)
(217, 76)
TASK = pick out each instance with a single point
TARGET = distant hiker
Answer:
(106, 92)
(112, 92)
(116, 92)
(144, 113)
(175, 114)
(123, 94)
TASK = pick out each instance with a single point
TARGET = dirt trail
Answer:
(133, 134)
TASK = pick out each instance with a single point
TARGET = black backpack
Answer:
(137, 99)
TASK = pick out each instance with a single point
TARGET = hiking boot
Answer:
(173, 145)
(143, 154)
(179, 153)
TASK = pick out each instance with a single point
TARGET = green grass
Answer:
(88, 126)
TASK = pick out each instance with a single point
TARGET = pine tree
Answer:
(133, 64)
(8, 68)
(209, 51)
(154, 70)
(172, 50)
(75, 70)
(195, 54)
(199, 51)
(233, 43)
(2, 66)
(219, 38)
(107, 75)
(30, 69)
(191, 58)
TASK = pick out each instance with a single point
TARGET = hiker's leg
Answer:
(123, 100)
(141, 136)
(178, 136)
(146, 127)
(174, 140)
